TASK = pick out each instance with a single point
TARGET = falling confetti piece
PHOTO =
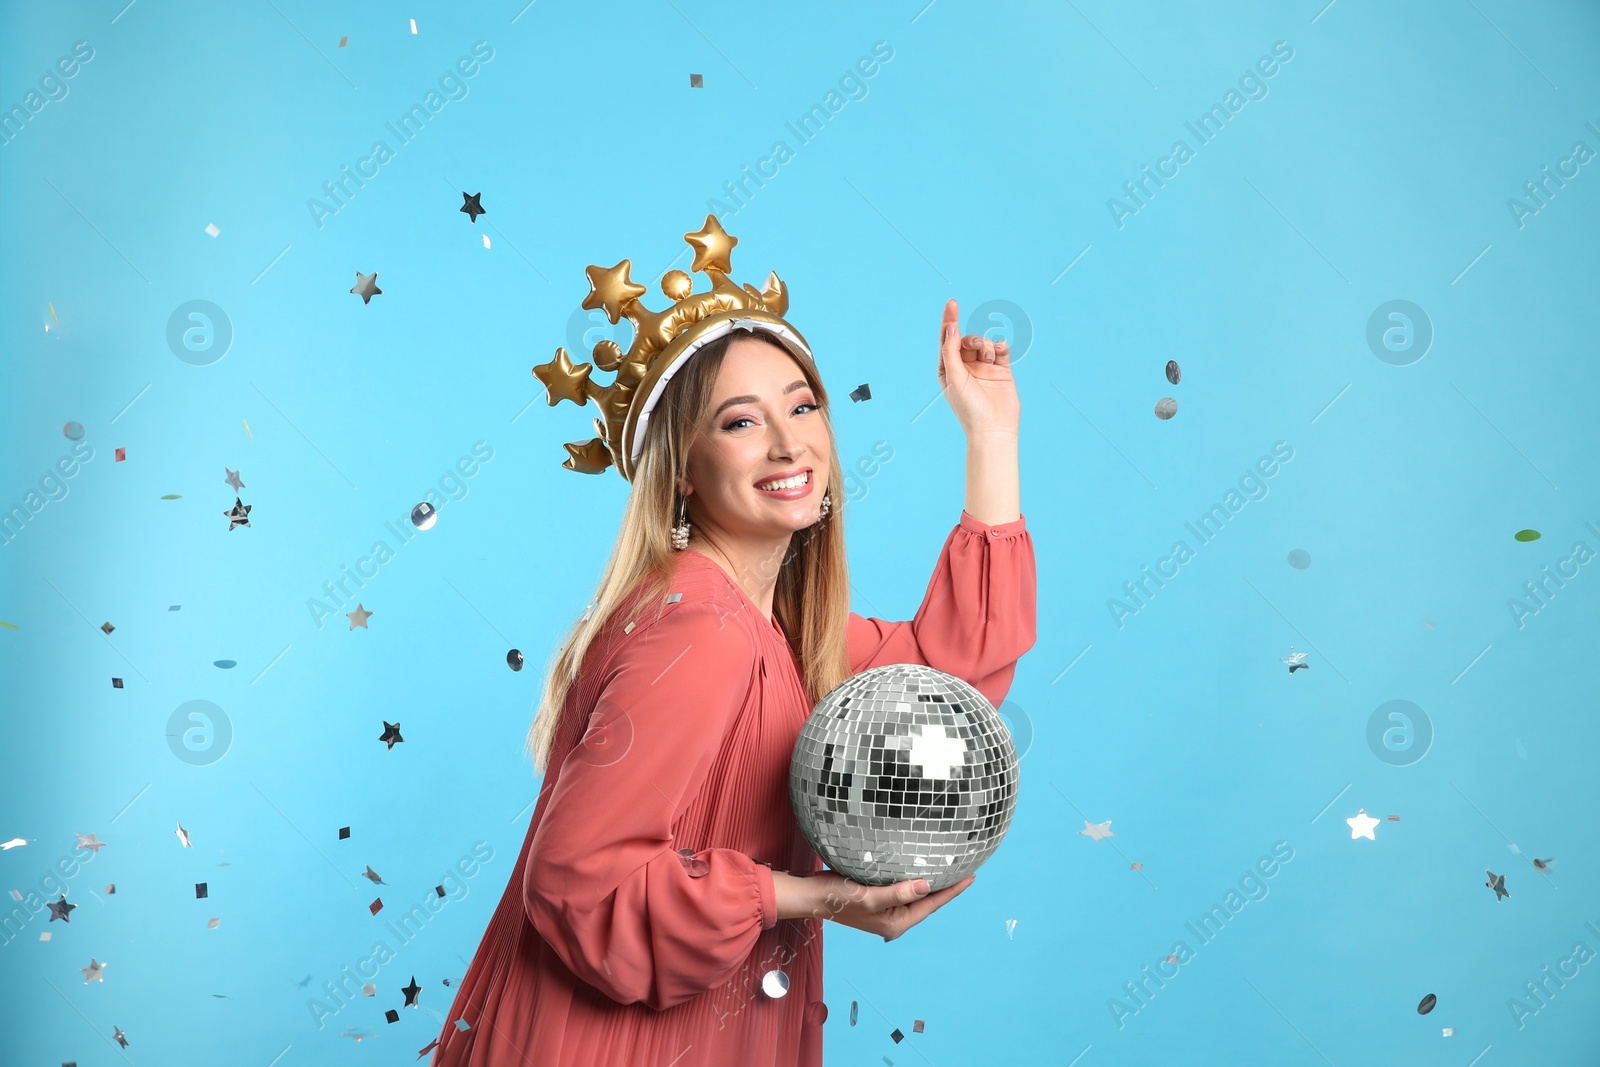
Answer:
(212, 924)
(1166, 407)
(1527, 535)
(1096, 831)
(344, 832)
(247, 430)
(1299, 559)
(172, 496)
(211, 228)
(1497, 882)
(861, 392)
(1361, 825)
(73, 430)
(1447, 1031)
(11, 626)
(116, 683)
(369, 990)
(376, 906)
(1394, 818)
(916, 1026)
(342, 41)
(514, 659)
(897, 1035)
(122, 454)
(462, 1024)
(486, 240)
(413, 32)
(225, 664)
(392, 1015)
(107, 627)
(200, 891)
(53, 314)
(15, 842)
(1174, 372)
(1427, 1004)
(1011, 927)
(697, 81)
(1135, 866)
(1171, 959)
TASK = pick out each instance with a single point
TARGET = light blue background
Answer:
(978, 165)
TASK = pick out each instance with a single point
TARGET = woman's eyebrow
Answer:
(750, 398)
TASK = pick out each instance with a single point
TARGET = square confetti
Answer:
(211, 228)
(369, 990)
(392, 1015)
(697, 81)
(343, 41)
(16, 895)
(898, 1036)
(122, 454)
(111, 888)
(376, 906)
(211, 924)
(486, 240)
(107, 627)
(439, 889)
(344, 832)
(200, 891)
(916, 1026)
(462, 1024)
(45, 936)
(413, 27)
(116, 683)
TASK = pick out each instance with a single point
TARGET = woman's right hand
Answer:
(885, 910)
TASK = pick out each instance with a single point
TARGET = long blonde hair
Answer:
(811, 595)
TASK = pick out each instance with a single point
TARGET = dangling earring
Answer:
(680, 532)
(827, 505)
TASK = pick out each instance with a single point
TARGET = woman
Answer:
(663, 876)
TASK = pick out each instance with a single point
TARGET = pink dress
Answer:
(640, 916)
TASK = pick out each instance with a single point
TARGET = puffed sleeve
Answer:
(604, 883)
(978, 617)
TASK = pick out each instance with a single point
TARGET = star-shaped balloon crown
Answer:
(663, 341)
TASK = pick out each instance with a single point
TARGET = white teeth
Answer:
(788, 483)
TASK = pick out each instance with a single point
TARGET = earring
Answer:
(680, 532)
(827, 505)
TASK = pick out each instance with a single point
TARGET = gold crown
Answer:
(662, 342)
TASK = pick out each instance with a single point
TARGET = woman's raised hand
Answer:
(885, 910)
(975, 374)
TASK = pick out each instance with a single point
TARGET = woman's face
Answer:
(777, 429)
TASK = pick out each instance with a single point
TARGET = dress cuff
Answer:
(996, 532)
(769, 896)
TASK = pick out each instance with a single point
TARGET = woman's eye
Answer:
(736, 422)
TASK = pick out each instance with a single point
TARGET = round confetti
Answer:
(73, 430)
(816, 1013)
(424, 515)
(1427, 1004)
(1527, 535)
(225, 664)
(1174, 372)
(1166, 407)
(1299, 559)
(514, 660)
(775, 983)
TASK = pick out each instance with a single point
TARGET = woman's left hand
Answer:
(975, 374)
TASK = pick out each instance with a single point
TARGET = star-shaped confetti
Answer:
(411, 992)
(183, 836)
(119, 1037)
(233, 479)
(366, 286)
(60, 909)
(1096, 831)
(1361, 825)
(359, 617)
(391, 733)
(240, 515)
(1295, 660)
(92, 973)
(472, 207)
(369, 874)
(88, 841)
(1497, 882)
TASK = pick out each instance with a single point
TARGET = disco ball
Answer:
(904, 772)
